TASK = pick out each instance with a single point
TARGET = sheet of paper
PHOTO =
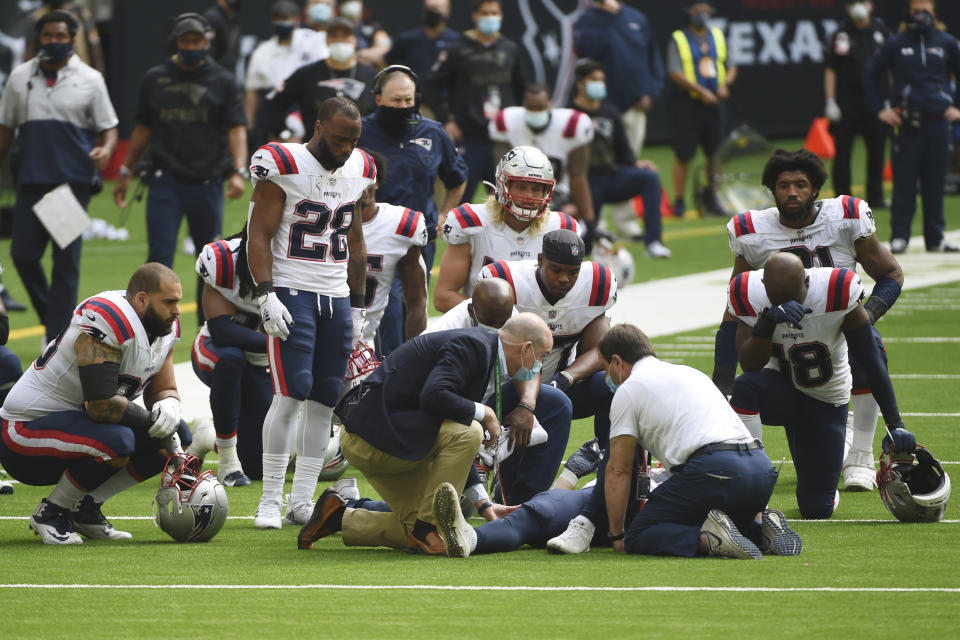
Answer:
(62, 215)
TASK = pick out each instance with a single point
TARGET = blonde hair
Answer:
(499, 216)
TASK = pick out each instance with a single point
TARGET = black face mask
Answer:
(699, 19)
(395, 119)
(431, 18)
(921, 22)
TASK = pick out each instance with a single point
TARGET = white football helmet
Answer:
(609, 253)
(915, 488)
(524, 164)
(190, 506)
(334, 463)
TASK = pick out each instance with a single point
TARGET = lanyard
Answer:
(496, 386)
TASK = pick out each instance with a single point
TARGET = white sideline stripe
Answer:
(919, 340)
(925, 376)
(851, 520)
(447, 587)
(931, 415)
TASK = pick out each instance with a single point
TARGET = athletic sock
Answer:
(120, 481)
(227, 450)
(66, 494)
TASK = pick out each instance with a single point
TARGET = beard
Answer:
(155, 324)
(796, 210)
(327, 158)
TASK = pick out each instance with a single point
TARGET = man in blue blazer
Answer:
(420, 420)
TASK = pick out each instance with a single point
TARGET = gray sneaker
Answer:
(898, 245)
(778, 538)
(459, 537)
(724, 540)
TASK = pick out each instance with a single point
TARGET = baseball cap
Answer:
(189, 24)
(340, 23)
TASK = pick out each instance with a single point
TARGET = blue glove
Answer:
(790, 312)
(903, 440)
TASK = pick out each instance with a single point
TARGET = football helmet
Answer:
(190, 506)
(524, 164)
(334, 463)
(607, 252)
(363, 361)
(914, 487)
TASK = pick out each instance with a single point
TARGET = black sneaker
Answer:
(52, 523)
(584, 460)
(778, 538)
(89, 520)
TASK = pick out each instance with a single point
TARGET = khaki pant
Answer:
(635, 126)
(406, 485)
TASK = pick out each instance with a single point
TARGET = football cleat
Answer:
(236, 479)
(778, 538)
(859, 474)
(347, 488)
(6, 487)
(656, 250)
(53, 524)
(89, 520)
(724, 540)
(299, 513)
(576, 539)
(268, 513)
(318, 525)
(458, 537)
(584, 460)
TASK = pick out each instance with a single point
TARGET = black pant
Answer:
(874, 135)
(54, 302)
(920, 156)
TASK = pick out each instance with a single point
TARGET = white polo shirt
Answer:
(673, 410)
(271, 63)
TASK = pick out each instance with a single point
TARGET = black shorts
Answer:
(695, 123)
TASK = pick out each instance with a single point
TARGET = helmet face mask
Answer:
(363, 361)
(914, 488)
(524, 165)
(191, 506)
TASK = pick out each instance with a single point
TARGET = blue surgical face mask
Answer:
(596, 89)
(320, 12)
(610, 383)
(56, 52)
(523, 374)
(537, 119)
(191, 57)
(489, 25)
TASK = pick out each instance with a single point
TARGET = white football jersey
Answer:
(827, 242)
(594, 292)
(489, 242)
(568, 129)
(52, 383)
(457, 318)
(814, 357)
(388, 236)
(310, 247)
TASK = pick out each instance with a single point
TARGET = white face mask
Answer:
(351, 10)
(860, 11)
(342, 51)
(537, 119)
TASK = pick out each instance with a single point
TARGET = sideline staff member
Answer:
(186, 106)
(68, 130)
(921, 59)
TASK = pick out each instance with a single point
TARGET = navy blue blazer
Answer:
(431, 378)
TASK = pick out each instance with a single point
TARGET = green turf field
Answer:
(861, 574)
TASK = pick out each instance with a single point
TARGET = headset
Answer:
(173, 22)
(381, 78)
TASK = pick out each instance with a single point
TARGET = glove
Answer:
(359, 317)
(559, 381)
(276, 319)
(790, 312)
(166, 418)
(832, 111)
(902, 441)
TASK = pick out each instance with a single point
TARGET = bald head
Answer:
(151, 278)
(528, 327)
(492, 302)
(784, 278)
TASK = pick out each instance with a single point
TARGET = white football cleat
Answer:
(724, 540)
(298, 513)
(347, 488)
(657, 250)
(459, 537)
(859, 474)
(576, 539)
(204, 437)
(268, 513)
(89, 520)
(52, 523)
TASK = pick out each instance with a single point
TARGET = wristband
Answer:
(136, 417)
(524, 405)
(264, 288)
(614, 538)
(486, 505)
(357, 301)
(124, 171)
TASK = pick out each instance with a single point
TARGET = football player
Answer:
(839, 232)
(393, 236)
(572, 297)
(564, 135)
(71, 419)
(794, 327)
(491, 305)
(508, 226)
(229, 355)
(306, 253)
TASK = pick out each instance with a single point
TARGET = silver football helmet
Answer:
(190, 506)
(525, 164)
(334, 462)
(914, 487)
(607, 252)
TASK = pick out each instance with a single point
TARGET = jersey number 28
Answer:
(320, 229)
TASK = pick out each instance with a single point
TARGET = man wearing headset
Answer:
(418, 151)
(188, 107)
(67, 132)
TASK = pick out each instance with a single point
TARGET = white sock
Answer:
(66, 494)
(274, 474)
(279, 429)
(313, 436)
(305, 479)
(752, 422)
(120, 481)
(227, 450)
(566, 476)
(865, 414)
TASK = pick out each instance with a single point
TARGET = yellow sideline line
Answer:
(39, 329)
